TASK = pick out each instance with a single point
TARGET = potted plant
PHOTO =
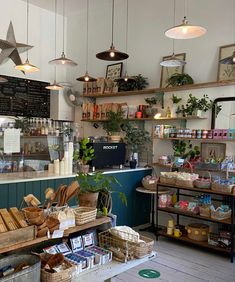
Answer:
(84, 155)
(152, 108)
(196, 106)
(178, 79)
(90, 185)
(137, 83)
(175, 100)
(113, 125)
(135, 138)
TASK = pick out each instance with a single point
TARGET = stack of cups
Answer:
(170, 227)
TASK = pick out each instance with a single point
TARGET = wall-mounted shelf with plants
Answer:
(165, 90)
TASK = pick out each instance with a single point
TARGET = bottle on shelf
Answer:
(46, 126)
(42, 127)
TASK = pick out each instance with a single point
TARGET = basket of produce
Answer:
(198, 231)
(168, 178)
(186, 179)
(203, 182)
(221, 213)
(84, 215)
(150, 182)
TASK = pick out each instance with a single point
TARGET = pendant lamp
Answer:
(112, 54)
(126, 77)
(185, 30)
(62, 60)
(173, 61)
(87, 77)
(55, 85)
(3, 80)
(27, 67)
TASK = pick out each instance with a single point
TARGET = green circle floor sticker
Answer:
(149, 273)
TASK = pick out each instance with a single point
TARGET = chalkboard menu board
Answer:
(24, 97)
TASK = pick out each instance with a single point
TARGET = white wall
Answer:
(41, 36)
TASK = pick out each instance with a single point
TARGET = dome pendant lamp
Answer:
(55, 85)
(62, 60)
(27, 67)
(126, 77)
(185, 30)
(112, 54)
(173, 61)
(87, 77)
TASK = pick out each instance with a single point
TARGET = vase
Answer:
(84, 168)
(114, 138)
(197, 113)
(133, 164)
(151, 111)
(174, 111)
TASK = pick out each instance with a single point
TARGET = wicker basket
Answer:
(220, 215)
(198, 231)
(124, 250)
(62, 276)
(203, 183)
(184, 183)
(222, 188)
(84, 215)
(205, 211)
(167, 180)
(150, 184)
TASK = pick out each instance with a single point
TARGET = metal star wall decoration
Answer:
(11, 49)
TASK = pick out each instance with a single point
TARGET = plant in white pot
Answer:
(135, 138)
(91, 184)
(175, 100)
(196, 106)
(83, 155)
(113, 125)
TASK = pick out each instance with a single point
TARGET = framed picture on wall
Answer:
(167, 72)
(226, 72)
(213, 151)
(114, 71)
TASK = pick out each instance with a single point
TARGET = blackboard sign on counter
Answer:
(24, 97)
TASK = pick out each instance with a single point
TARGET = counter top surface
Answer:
(7, 178)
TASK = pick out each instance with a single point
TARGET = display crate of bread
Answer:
(14, 229)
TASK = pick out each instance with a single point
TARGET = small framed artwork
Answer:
(226, 72)
(167, 72)
(213, 151)
(114, 71)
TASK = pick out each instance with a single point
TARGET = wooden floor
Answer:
(177, 262)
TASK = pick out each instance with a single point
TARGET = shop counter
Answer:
(14, 186)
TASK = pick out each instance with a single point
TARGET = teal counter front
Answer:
(14, 187)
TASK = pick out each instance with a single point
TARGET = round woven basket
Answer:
(150, 184)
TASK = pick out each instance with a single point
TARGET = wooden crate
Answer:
(13, 237)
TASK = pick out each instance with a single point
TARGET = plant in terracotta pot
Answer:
(90, 185)
(135, 138)
(113, 125)
(84, 155)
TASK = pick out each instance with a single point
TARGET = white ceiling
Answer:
(71, 6)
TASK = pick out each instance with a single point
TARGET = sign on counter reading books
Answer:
(11, 140)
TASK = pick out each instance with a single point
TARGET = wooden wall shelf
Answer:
(196, 139)
(151, 119)
(157, 90)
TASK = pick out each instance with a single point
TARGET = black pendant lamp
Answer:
(87, 77)
(112, 54)
(3, 80)
(126, 77)
(62, 60)
(55, 86)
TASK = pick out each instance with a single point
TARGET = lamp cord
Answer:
(127, 14)
(55, 36)
(87, 29)
(27, 29)
(112, 20)
(63, 28)
(173, 40)
(185, 8)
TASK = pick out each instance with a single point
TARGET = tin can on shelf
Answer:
(199, 134)
(204, 133)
